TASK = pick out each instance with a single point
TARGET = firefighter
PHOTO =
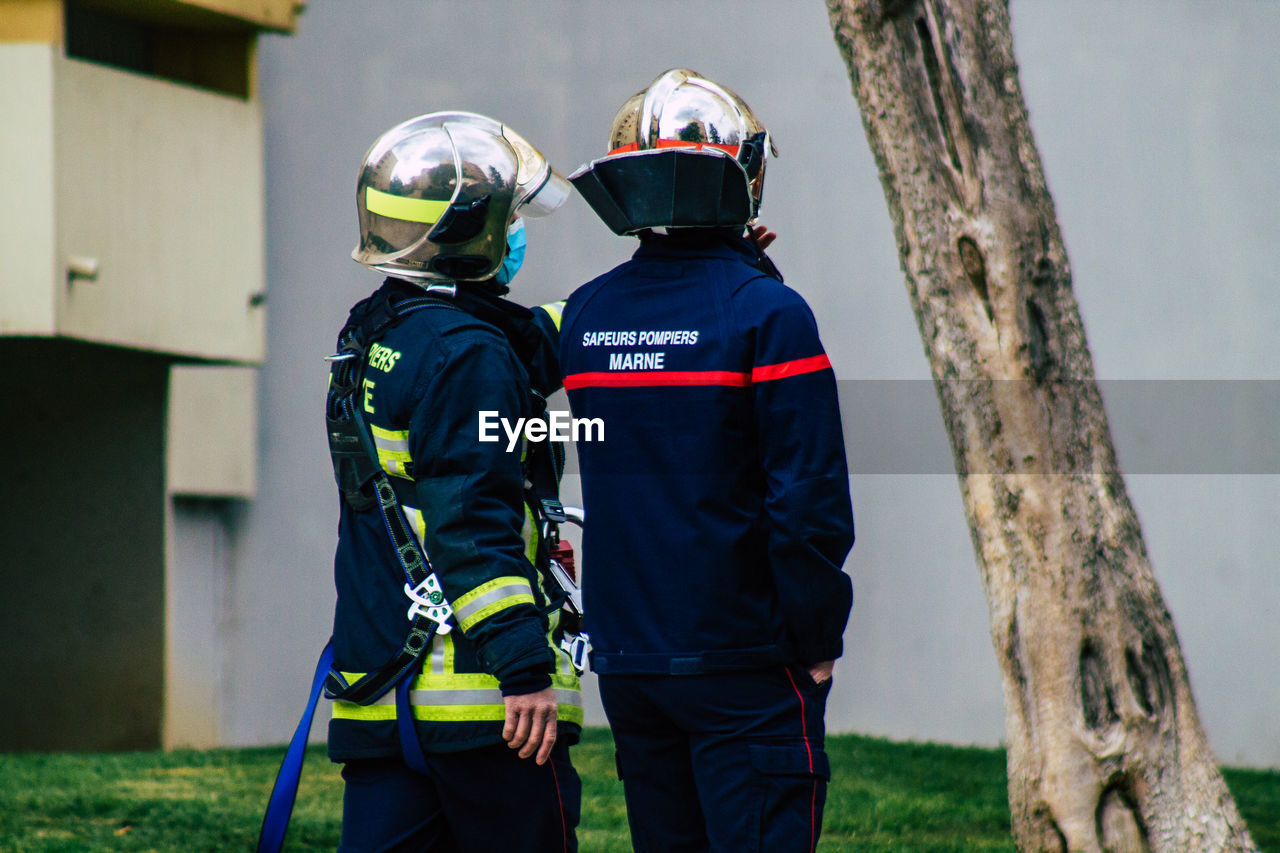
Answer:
(483, 764)
(719, 503)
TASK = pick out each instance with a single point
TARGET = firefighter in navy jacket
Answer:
(718, 502)
(495, 703)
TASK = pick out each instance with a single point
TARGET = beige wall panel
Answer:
(212, 433)
(27, 270)
(31, 20)
(279, 15)
(271, 14)
(162, 184)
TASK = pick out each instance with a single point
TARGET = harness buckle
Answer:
(429, 601)
(553, 511)
(577, 646)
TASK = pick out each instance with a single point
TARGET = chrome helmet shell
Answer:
(436, 193)
(683, 138)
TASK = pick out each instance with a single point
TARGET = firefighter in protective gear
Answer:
(720, 501)
(483, 765)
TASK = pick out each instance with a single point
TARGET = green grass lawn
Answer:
(885, 797)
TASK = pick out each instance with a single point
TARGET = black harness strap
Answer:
(364, 485)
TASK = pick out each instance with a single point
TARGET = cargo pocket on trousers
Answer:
(792, 780)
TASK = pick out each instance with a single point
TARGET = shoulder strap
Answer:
(364, 486)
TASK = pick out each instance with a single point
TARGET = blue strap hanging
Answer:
(285, 790)
(410, 746)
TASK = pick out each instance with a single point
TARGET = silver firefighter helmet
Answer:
(436, 193)
(684, 152)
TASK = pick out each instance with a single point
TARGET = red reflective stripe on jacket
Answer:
(768, 372)
(648, 378)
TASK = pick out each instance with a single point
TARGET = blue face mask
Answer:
(511, 264)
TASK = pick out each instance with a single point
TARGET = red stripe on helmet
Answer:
(731, 150)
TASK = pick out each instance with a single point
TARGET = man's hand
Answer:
(820, 672)
(531, 723)
(761, 236)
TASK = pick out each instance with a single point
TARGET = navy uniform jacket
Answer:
(424, 384)
(718, 511)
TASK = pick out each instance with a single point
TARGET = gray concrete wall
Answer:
(1160, 143)
(82, 609)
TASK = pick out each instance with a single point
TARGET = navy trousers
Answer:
(486, 800)
(731, 763)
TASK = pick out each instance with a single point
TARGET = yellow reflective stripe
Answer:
(393, 450)
(571, 714)
(484, 713)
(407, 209)
(435, 658)
(419, 528)
(463, 704)
(448, 654)
(529, 533)
(489, 598)
(368, 713)
(445, 713)
(555, 310)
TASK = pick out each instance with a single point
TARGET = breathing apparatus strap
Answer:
(364, 486)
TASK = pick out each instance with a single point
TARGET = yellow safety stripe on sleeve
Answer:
(424, 210)
(490, 598)
(393, 451)
(529, 533)
(419, 528)
(555, 310)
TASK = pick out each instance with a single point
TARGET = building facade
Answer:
(132, 284)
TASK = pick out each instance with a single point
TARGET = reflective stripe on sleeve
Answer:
(797, 367)
(393, 451)
(555, 310)
(529, 533)
(490, 598)
(416, 523)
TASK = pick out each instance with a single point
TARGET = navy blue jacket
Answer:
(717, 505)
(424, 385)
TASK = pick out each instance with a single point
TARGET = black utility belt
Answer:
(686, 663)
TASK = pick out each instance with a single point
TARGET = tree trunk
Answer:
(1106, 750)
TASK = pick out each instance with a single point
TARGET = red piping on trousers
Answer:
(564, 828)
(804, 732)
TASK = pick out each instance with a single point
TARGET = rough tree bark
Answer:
(1106, 750)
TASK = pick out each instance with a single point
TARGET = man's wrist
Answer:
(523, 683)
